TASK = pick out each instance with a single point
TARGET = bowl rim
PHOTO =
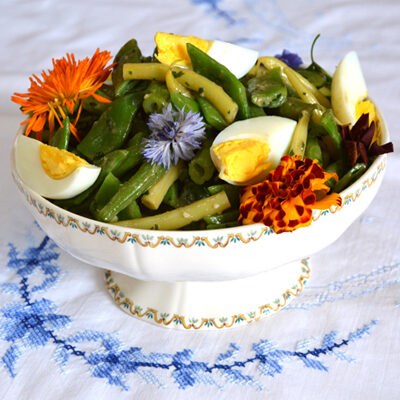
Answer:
(378, 164)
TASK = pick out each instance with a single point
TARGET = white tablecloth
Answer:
(61, 335)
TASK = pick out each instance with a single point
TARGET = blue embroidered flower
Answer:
(293, 60)
(32, 260)
(28, 325)
(174, 135)
(33, 324)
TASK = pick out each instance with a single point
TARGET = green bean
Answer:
(326, 158)
(129, 53)
(305, 89)
(182, 216)
(95, 106)
(338, 167)
(107, 190)
(112, 129)
(146, 176)
(171, 197)
(191, 192)
(293, 107)
(256, 111)
(133, 157)
(228, 216)
(351, 176)
(184, 103)
(208, 89)
(156, 98)
(108, 164)
(328, 122)
(315, 130)
(212, 116)
(61, 138)
(201, 167)
(130, 212)
(313, 150)
(315, 77)
(211, 69)
(233, 192)
(223, 225)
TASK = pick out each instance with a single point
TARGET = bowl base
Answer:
(209, 304)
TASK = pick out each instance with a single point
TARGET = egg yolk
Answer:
(58, 164)
(172, 48)
(367, 107)
(243, 159)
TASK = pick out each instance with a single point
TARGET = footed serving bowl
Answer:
(207, 279)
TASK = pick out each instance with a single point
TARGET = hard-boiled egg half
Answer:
(172, 49)
(51, 172)
(349, 91)
(247, 150)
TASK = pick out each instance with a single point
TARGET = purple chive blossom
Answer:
(291, 59)
(174, 135)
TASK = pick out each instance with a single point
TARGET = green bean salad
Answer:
(173, 139)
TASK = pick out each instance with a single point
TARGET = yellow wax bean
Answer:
(156, 193)
(305, 89)
(174, 86)
(208, 89)
(182, 216)
(299, 139)
(144, 71)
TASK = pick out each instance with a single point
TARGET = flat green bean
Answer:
(61, 137)
(293, 108)
(351, 176)
(146, 176)
(133, 157)
(328, 122)
(108, 164)
(212, 116)
(112, 129)
(213, 70)
(107, 190)
(171, 197)
(130, 212)
(229, 216)
(128, 53)
(313, 150)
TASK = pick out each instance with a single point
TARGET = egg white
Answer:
(276, 131)
(237, 59)
(30, 170)
(348, 88)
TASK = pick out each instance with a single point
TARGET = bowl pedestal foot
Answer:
(209, 304)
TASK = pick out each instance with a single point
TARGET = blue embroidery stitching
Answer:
(33, 323)
(352, 287)
(213, 7)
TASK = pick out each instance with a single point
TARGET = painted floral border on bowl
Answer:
(239, 319)
(225, 236)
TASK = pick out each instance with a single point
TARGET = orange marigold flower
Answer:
(61, 90)
(285, 200)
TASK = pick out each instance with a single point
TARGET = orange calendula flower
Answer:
(285, 200)
(61, 90)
